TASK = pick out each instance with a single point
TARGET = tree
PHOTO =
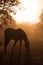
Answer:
(41, 16)
(6, 9)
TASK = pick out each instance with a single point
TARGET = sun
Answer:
(29, 12)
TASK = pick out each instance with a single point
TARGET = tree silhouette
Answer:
(5, 9)
(41, 16)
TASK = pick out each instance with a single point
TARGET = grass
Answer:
(35, 56)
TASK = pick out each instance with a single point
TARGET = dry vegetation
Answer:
(35, 36)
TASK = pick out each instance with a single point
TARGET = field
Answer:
(34, 56)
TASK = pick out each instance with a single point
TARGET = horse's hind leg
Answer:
(12, 55)
(6, 41)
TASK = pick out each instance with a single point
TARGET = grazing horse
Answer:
(15, 34)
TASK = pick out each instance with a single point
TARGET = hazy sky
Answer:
(40, 2)
(31, 11)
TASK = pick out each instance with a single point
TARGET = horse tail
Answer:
(5, 46)
(6, 40)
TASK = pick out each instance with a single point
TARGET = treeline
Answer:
(6, 1)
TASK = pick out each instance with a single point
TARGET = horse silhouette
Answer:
(15, 34)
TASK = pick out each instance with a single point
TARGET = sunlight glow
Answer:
(29, 11)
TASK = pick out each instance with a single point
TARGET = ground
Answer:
(35, 36)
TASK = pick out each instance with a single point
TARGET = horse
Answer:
(15, 34)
